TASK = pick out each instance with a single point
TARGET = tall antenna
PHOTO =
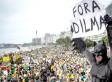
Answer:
(36, 34)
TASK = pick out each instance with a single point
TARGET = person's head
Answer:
(100, 52)
(98, 58)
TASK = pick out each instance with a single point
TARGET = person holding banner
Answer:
(101, 70)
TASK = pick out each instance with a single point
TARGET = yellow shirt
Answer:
(13, 75)
(23, 80)
(52, 67)
(72, 76)
(68, 75)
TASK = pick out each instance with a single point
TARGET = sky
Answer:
(19, 19)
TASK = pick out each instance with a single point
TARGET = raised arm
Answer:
(108, 21)
(80, 45)
(89, 56)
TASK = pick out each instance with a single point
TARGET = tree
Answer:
(64, 42)
(60, 41)
(89, 42)
(67, 43)
(105, 39)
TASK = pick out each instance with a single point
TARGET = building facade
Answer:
(36, 41)
(109, 10)
(96, 38)
(50, 38)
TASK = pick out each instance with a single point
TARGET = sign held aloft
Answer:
(88, 19)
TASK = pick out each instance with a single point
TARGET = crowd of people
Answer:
(48, 65)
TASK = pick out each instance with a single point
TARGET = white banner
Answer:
(88, 19)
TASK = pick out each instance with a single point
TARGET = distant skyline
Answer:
(19, 19)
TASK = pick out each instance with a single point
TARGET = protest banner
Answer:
(88, 18)
(17, 57)
(6, 59)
